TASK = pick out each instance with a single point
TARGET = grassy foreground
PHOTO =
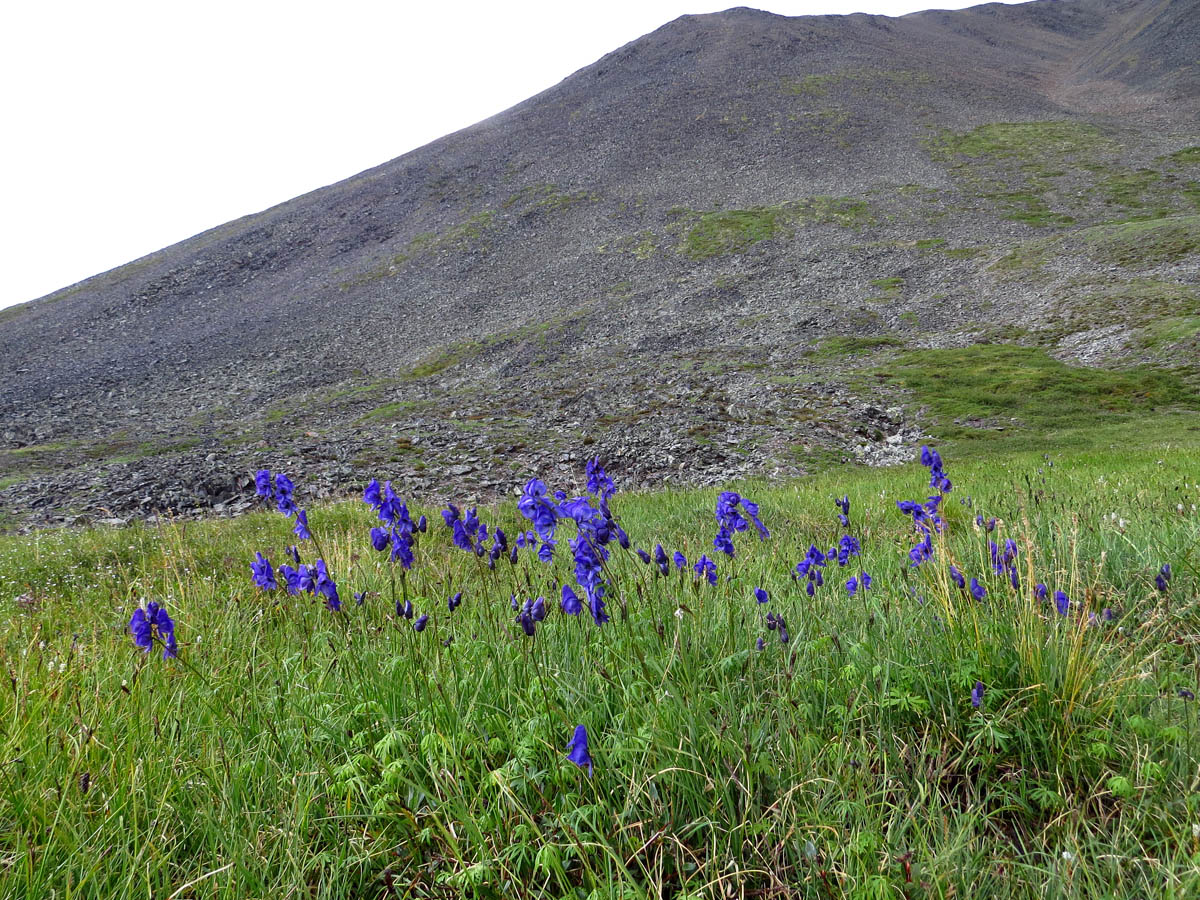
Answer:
(291, 751)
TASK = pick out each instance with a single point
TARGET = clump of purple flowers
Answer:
(730, 507)
(531, 612)
(538, 509)
(262, 574)
(810, 569)
(705, 568)
(1004, 562)
(152, 624)
(1163, 579)
(399, 530)
(937, 474)
(775, 622)
(925, 516)
(284, 489)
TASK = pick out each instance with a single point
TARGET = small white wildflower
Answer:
(62, 667)
(1179, 507)
(1068, 856)
(1196, 831)
(679, 613)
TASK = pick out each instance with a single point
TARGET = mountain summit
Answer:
(684, 257)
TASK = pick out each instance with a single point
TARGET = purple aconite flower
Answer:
(760, 644)
(1062, 603)
(577, 750)
(380, 539)
(854, 584)
(957, 577)
(597, 481)
(371, 494)
(644, 556)
(680, 560)
(422, 524)
(775, 622)
(622, 537)
(404, 610)
(421, 622)
(977, 695)
(291, 579)
(262, 482)
(730, 519)
(526, 620)
(359, 597)
(262, 573)
(706, 568)
(751, 509)
(723, 542)
(761, 595)
(151, 624)
(660, 560)
(978, 591)
(1163, 578)
(301, 529)
(462, 539)
(843, 506)
(571, 604)
(539, 510)
(1040, 591)
(325, 586)
(454, 602)
(283, 494)
(402, 542)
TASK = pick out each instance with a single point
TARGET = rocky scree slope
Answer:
(683, 258)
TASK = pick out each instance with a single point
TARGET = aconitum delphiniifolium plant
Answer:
(598, 482)
(925, 516)
(151, 624)
(262, 574)
(314, 579)
(399, 531)
(810, 568)
(535, 506)
(705, 568)
(937, 475)
(595, 526)
(1163, 579)
(577, 750)
(283, 490)
(730, 507)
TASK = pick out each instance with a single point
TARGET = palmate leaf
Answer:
(1046, 798)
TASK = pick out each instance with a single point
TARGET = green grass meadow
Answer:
(291, 751)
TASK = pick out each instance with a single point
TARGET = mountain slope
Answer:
(649, 256)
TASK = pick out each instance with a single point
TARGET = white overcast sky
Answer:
(128, 126)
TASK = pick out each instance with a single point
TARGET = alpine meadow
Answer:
(765, 464)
